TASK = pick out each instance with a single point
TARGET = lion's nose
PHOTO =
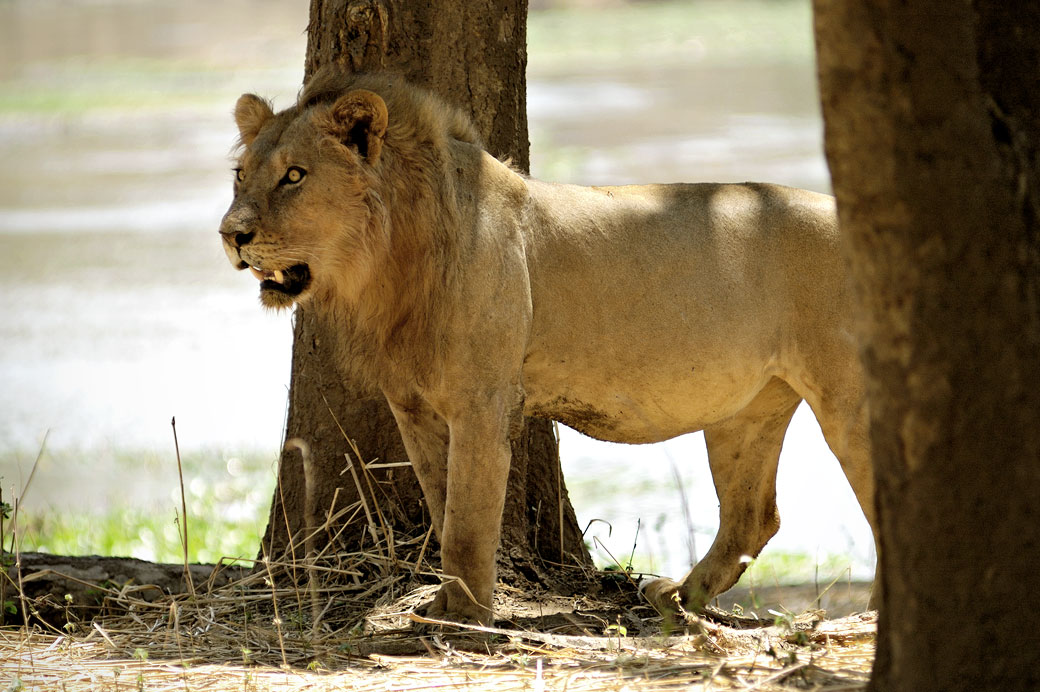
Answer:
(236, 239)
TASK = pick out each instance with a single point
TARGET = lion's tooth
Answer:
(257, 273)
(279, 276)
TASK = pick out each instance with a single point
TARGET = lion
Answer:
(471, 295)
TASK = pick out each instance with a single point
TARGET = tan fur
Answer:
(469, 295)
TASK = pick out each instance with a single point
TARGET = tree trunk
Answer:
(932, 114)
(474, 55)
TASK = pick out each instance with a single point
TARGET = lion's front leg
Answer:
(425, 437)
(478, 469)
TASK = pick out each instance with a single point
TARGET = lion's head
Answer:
(302, 214)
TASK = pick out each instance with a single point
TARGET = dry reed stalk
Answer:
(684, 505)
(370, 523)
(4, 576)
(621, 568)
(290, 538)
(18, 563)
(184, 509)
(353, 472)
(422, 551)
(15, 533)
(32, 471)
(310, 528)
(331, 515)
(277, 618)
(388, 534)
(559, 484)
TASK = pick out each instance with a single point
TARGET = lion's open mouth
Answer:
(292, 281)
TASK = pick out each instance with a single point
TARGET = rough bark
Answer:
(474, 55)
(932, 118)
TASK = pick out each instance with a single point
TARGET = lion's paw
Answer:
(438, 610)
(664, 595)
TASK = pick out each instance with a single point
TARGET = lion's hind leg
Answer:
(743, 452)
(843, 418)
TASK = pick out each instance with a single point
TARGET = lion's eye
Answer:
(240, 175)
(292, 176)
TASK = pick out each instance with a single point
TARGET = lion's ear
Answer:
(359, 119)
(251, 112)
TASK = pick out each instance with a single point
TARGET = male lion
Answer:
(470, 295)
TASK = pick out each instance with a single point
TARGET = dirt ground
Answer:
(335, 627)
(539, 644)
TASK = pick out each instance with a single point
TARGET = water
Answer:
(120, 311)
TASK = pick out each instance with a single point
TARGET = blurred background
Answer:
(119, 310)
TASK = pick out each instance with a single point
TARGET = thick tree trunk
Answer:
(932, 113)
(474, 55)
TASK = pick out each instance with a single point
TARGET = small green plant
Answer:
(5, 515)
(788, 659)
(70, 624)
(785, 622)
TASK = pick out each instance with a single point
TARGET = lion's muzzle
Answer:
(235, 233)
(280, 285)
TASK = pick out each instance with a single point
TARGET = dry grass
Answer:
(329, 619)
(350, 628)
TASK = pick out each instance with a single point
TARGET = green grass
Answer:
(227, 501)
(782, 568)
(136, 533)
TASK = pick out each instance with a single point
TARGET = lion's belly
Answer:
(637, 406)
(661, 361)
